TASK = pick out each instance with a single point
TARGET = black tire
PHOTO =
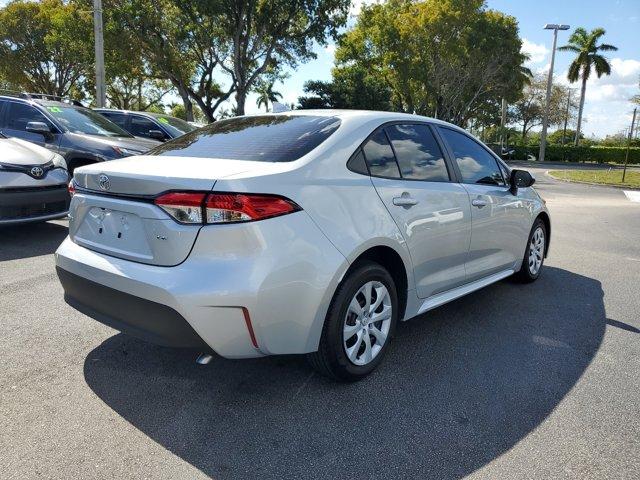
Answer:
(331, 359)
(525, 274)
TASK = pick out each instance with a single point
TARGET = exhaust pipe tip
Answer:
(203, 359)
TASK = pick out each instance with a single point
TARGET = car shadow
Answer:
(460, 386)
(31, 239)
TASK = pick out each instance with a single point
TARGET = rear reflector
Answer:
(247, 321)
(71, 188)
(200, 208)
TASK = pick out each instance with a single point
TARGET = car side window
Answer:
(357, 163)
(140, 126)
(475, 163)
(119, 119)
(380, 157)
(19, 114)
(418, 153)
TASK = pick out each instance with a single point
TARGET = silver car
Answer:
(33, 183)
(307, 232)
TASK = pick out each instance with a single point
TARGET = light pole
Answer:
(101, 94)
(543, 136)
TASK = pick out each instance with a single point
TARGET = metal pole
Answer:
(626, 158)
(566, 117)
(545, 120)
(503, 121)
(101, 95)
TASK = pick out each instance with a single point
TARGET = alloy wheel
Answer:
(536, 251)
(367, 323)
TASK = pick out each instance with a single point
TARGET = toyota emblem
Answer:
(37, 172)
(103, 182)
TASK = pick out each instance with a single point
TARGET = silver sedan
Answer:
(307, 232)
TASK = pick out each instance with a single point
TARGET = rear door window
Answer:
(140, 126)
(419, 156)
(263, 138)
(119, 119)
(379, 156)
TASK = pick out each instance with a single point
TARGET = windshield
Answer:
(83, 120)
(175, 125)
(264, 138)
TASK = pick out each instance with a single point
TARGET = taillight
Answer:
(184, 207)
(200, 208)
(241, 207)
(71, 188)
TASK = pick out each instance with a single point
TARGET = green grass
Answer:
(605, 177)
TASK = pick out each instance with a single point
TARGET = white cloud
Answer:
(537, 51)
(607, 109)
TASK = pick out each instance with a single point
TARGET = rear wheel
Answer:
(359, 325)
(534, 253)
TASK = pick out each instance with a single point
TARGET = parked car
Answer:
(79, 134)
(304, 232)
(33, 183)
(147, 124)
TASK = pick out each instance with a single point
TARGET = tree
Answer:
(529, 109)
(44, 47)
(446, 58)
(254, 38)
(351, 87)
(266, 94)
(178, 47)
(556, 138)
(586, 46)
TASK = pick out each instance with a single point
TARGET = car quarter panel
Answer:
(344, 205)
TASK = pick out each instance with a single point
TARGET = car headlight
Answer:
(125, 152)
(59, 161)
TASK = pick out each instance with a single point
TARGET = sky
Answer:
(607, 107)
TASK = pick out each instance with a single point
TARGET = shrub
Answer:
(558, 153)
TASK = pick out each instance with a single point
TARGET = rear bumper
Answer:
(275, 277)
(132, 315)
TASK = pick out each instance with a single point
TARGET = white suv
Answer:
(306, 232)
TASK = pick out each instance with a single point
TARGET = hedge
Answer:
(558, 153)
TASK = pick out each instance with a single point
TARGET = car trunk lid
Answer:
(113, 212)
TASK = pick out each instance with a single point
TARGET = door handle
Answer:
(478, 202)
(404, 201)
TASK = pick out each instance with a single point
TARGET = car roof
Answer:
(129, 112)
(39, 101)
(364, 115)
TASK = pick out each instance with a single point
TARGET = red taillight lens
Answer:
(71, 188)
(184, 207)
(236, 207)
(201, 208)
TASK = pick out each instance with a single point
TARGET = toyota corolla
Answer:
(307, 232)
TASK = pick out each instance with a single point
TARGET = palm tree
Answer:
(586, 46)
(266, 94)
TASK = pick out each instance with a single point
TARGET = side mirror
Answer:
(157, 135)
(520, 179)
(39, 127)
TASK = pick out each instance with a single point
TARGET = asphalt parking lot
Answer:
(513, 381)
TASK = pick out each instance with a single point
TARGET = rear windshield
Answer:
(265, 138)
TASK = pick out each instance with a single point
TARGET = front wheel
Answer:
(359, 324)
(534, 253)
